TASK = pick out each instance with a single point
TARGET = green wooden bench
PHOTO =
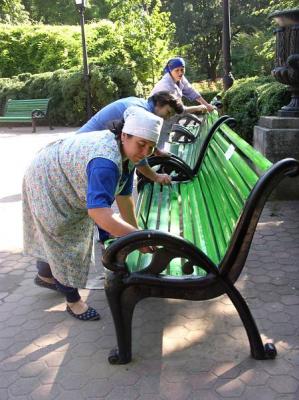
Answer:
(189, 152)
(26, 111)
(202, 229)
(184, 159)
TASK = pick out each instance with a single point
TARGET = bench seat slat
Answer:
(15, 119)
(187, 218)
(175, 266)
(143, 204)
(151, 223)
(164, 211)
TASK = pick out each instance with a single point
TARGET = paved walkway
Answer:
(182, 350)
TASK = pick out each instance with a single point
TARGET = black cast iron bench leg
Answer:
(259, 351)
(122, 301)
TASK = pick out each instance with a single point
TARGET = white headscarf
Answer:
(142, 123)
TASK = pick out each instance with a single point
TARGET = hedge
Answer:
(246, 100)
(250, 98)
(67, 90)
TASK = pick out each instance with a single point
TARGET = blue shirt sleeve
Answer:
(142, 163)
(102, 179)
(188, 91)
(128, 188)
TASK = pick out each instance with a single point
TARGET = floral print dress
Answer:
(57, 228)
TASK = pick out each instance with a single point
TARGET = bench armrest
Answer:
(189, 117)
(172, 165)
(38, 114)
(181, 134)
(169, 247)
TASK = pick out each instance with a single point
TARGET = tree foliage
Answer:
(63, 12)
(142, 34)
(199, 29)
(146, 32)
(250, 98)
(12, 12)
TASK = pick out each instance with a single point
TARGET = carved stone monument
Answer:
(277, 137)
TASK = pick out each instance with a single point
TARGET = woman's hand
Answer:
(148, 249)
(201, 109)
(210, 107)
(163, 179)
(161, 153)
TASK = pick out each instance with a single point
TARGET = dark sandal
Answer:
(89, 315)
(39, 282)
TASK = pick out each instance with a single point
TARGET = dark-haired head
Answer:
(166, 103)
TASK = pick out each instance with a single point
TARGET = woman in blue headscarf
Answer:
(174, 81)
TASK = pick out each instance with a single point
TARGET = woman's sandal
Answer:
(89, 315)
(39, 282)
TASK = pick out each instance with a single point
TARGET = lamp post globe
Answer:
(81, 5)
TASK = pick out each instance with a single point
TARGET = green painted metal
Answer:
(205, 210)
(220, 243)
(255, 156)
(232, 196)
(186, 214)
(143, 204)
(207, 241)
(152, 223)
(249, 176)
(175, 266)
(219, 199)
(232, 174)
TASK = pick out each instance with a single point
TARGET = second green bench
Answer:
(23, 111)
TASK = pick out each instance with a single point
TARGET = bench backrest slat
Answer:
(256, 157)
(220, 203)
(228, 184)
(219, 244)
(241, 187)
(25, 107)
(176, 264)
(204, 236)
(240, 163)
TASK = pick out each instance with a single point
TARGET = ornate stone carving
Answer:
(286, 69)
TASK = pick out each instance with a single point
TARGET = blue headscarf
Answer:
(174, 63)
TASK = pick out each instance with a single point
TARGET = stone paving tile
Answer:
(182, 350)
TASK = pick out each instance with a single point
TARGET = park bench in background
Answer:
(203, 228)
(23, 111)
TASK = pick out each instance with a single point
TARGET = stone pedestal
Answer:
(277, 138)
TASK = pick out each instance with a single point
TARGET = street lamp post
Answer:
(81, 5)
(228, 79)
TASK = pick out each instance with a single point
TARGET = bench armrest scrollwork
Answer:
(168, 248)
(38, 114)
(181, 134)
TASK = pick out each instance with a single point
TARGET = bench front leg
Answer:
(122, 303)
(33, 125)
